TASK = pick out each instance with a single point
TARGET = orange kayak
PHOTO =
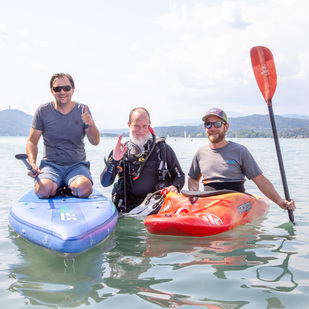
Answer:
(197, 213)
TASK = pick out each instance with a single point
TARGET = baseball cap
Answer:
(215, 112)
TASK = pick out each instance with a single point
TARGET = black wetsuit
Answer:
(149, 179)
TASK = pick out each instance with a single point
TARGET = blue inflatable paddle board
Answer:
(64, 224)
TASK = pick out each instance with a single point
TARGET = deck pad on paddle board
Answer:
(64, 224)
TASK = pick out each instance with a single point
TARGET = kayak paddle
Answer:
(265, 74)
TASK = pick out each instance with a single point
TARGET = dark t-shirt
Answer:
(63, 134)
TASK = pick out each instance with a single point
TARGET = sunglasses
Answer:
(65, 88)
(216, 124)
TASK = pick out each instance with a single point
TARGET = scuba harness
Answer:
(120, 194)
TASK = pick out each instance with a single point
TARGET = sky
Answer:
(176, 58)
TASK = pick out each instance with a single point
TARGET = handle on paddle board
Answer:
(24, 157)
(265, 74)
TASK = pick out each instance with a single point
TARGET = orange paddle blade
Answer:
(264, 71)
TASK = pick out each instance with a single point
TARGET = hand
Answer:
(172, 189)
(86, 118)
(193, 184)
(36, 171)
(119, 150)
(284, 204)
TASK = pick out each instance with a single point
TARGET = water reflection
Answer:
(236, 250)
(153, 269)
(277, 277)
(45, 278)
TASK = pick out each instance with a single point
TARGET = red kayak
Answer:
(197, 213)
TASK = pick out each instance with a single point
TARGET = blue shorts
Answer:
(64, 175)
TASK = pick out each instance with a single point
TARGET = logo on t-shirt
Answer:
(230, 161)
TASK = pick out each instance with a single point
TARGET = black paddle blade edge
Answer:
(21, 156)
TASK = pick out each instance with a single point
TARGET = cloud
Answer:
(176, 58)
(207, 58)
(33, 44)
(3, 35)
(3, 29)
(41, 43)
(303, 71)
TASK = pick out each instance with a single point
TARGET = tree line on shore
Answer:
(288, 133)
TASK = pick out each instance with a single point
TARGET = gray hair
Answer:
(136, 109)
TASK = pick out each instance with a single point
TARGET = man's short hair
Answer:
(61, 75)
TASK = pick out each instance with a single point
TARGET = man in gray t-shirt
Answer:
(63, 123)
(224, 165)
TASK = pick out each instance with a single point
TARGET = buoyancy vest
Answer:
(131, 171)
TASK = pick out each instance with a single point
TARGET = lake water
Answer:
(260, 265)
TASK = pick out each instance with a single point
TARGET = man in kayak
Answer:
(224, 164)
(144, 164)
(63, 124)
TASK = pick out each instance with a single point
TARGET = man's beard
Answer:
(141, 141)
(216, 139)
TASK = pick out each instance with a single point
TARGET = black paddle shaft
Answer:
(280, 160)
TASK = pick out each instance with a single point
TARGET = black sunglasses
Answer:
(217, 124)
(65, 88)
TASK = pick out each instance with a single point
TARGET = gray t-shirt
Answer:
(227, 164)
(63, 135)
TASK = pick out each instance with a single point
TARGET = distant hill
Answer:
(197, 121)
(231, 115)
(14, 122)
(243, 125)
(295, 116)
(262, 123)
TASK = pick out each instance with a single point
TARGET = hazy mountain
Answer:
(231, 115)
(257, 123)
(262, 123)
(196, 121)
(296, 116)
(14, 122)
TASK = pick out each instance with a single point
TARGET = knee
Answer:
(45, 191)
(81, 188)
(82, 192)
(43, 195)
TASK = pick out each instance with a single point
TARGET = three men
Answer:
(144, 164)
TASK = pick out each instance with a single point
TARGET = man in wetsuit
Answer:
(63, 123)
(144, 165)
(224, 164)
